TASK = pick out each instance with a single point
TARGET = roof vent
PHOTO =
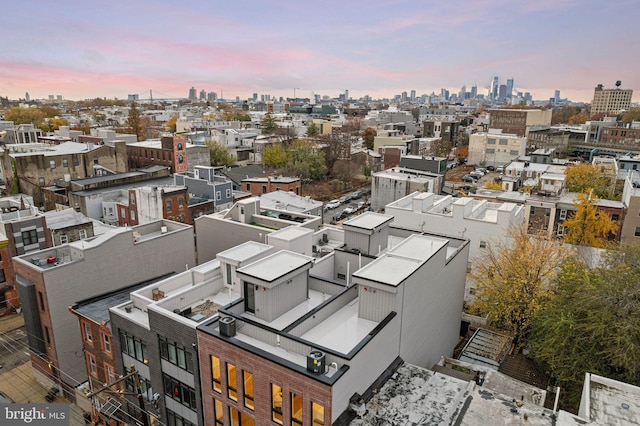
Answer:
(227, 326)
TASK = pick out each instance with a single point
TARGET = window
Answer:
(240, 419)
(218, 195)
(168, 203)
(65, 162)
(637, 233)
(46, 333)
(248, 187)
(180, 159)
(41, 181)
(179, 392)
(41, 299)
(317, 414)
(215, 373)
(490, 151)
(276, 403)
(513, 152)
(491, 141)
(296, 409)
(264, 189)
(111, 373)
(52, 164)
(75, 161)
(218, 412)
(503, 142)
(106, 343)
(145, 384)
(228, 193)
(615, 217)
(95, 159)
(176, 354)
(133, 347)
(483, 244)
(64, 239)
(563, 214)
(87, 332)
(174, 419)
(232, 388)
(248, 389)
(91, 364)
(82, 233)
(180, 202)
(228, 270)
(30, 237)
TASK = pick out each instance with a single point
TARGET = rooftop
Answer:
(275, 266)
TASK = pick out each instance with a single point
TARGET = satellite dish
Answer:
(618, 83)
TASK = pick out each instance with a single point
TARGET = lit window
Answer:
(218, 412)
(215, 373)
(248, 389)
(317, 414)
(296, 409)
(231, 382)
(276, 403)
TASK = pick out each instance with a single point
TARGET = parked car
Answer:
(345, 198)
(491, 168)
(500, 169)
(351, 208)
(468, 178)
(355, 195)
(476, 174)
(338, 216)
(481, 170)
(332, 204)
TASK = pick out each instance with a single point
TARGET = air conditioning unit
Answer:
(227, 326)
(316, 362)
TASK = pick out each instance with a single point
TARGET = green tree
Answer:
(589, 226)
(306, 160)
(369, 136)
(268, 125)
(587, 177)
(135, 124)
(513, 278)
(591, 323)
(21, 115)
(312, 130)
(220, 155)
(274, 156)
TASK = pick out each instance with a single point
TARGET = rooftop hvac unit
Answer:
(316, 362)
(227, 326)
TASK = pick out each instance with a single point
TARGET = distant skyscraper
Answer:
(27, 97)
(212, 96)
(255, 96)
(463, 91)
(413, 96)
(509, 87)
(502, 92)
(474, 91)
(403, 97)
(203, 95)
(346, 95)
(493, 90)
(51, 97)
(193, 95)
(556, 97)
(444, 94)
(133, 98)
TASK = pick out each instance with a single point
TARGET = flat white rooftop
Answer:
(369, 220)
(244, 251)
(278, 264)
(342, 331)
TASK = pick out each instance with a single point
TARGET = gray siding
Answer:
(375, 304)
(272, 303)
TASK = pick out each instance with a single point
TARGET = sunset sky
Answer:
(87, 49)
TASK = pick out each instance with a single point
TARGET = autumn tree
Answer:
(632, 115)
(580, 118)
(587, 177)
(513, 278)
(441, 148)
(461, 153)
(171, 124)
(590, 324)
(220, 155)
(312, 130)
(492, 184)
(274, 156)
(135, 123)
(268, 125)
(588, 226)
(369, 136)
(562, 115)
(306, 160)
(21, 115)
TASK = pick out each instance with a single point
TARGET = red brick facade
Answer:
(265, 373)
(259, 186)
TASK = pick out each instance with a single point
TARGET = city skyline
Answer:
(100, 49)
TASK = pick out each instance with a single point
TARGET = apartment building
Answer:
(393, 184)
(610, 101)
(68, 225)
(307, 337)
(207, 182)
(495, 148)
(519, 121)
(50, 280)
(263, 185)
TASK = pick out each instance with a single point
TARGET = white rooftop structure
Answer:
(609, 402)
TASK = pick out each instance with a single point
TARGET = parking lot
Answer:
(346, 206)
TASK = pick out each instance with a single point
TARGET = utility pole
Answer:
(136, 377)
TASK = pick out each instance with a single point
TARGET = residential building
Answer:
(263, 185)
(393, 184)
(439, 128)
(68, 225)
(169, 151)
(606, 401)
(50, 280)
(630, 231)
(39, 166)
(22, 134)
(610, 101)
(519, 121)
(306, 337)
(246, 220)
(207, 183)
(289, 201)
(495, 148)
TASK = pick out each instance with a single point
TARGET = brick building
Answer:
(263, 185)
(170, 151)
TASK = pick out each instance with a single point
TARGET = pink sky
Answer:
(111, 49)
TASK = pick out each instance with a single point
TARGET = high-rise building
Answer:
(463, 91)
(413, 95)
(255, 96)
(474, 91)
(403, 97)
(444, 94)
(212, 96)
(509, 87)
(27, 97)
(346, 95)
(610, 101)
(502, 92)
(193, 94)
(493, 90)
(556, 96)
(203, 95)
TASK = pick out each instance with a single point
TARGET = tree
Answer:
(513, 279)
(632, 115)
(312, 130)
(588, 226)
(581, 118)
(441, 148)
(21, 115)
(171, 123)
(274, 156)
(135, 124)
(305, 160)
(562, 115)
(54, 123)
(461, 153)
(586, 177)
(268, 125)
(220, 155)
(590, 324)
(369, 136)
(492, 184)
